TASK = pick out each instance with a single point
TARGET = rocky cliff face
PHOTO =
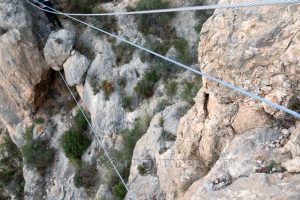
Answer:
(225, 146)
(224, 138)
(22, 67)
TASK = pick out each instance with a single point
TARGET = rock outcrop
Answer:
(75, 68)
(58, 48)
(22, 68)
(255, 49)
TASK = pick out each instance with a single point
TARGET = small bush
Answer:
(79, 124)
(85, 176)
(141, 169)
(39, 120)
(155, 24)
(126, 102)
(107, 87)
(11, 176)
(74, 144)
(145, 87)
(36, 153)
(190, 90)
(123, 53)
(182, 48)
(119, 191)
(171, 88)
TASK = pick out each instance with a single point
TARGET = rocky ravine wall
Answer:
(22, 68)
(229, 136)
(226, 145)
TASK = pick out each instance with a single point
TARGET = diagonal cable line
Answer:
(189, 8)
(231, 86)
(97, 137)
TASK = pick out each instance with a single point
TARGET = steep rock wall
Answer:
(22, 68)
(254, 48)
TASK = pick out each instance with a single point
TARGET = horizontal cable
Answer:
(236, 88)
(190, 8)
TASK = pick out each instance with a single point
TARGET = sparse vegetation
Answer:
(11, 168)
(107, 87)
(123, 53)
(122, 82)
(201, 15)
(119, 191)
(171, 88)
(74, 144)
(190, 90)
(124, 156)
(84, 49)
(107, 23)
(163, 104)
(85, 176)
(36, 153)
(79, 124)
(145, 87)
(154, 24)
(182, 48)
(141, 169)
(39, 120)
(126, 102)
(182, 111)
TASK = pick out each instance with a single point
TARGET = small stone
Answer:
(285, 131)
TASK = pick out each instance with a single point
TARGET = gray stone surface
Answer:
(58, 48)
(75, 68)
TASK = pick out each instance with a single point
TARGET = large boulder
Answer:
(75, 68)
(58, 48)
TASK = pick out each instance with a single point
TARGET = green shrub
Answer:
(190, 90)
(171, 88)
(201, 15)
(145, 87)
(36, 153)
(141, 169)
(39, 120)
(80, 124)
(74, 144)
(123, 53)
(107, 87)
(119, 191)
(154, 24)
(182, 48)
(11, 176)
(126, 102)
(85, 176)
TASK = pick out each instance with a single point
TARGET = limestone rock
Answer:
(75, 68)
(242, 123)
(146, 151)
(42, 132)
(58, 48)
(22, 68)
(293, 165)
(171, 118)
(293, 144)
